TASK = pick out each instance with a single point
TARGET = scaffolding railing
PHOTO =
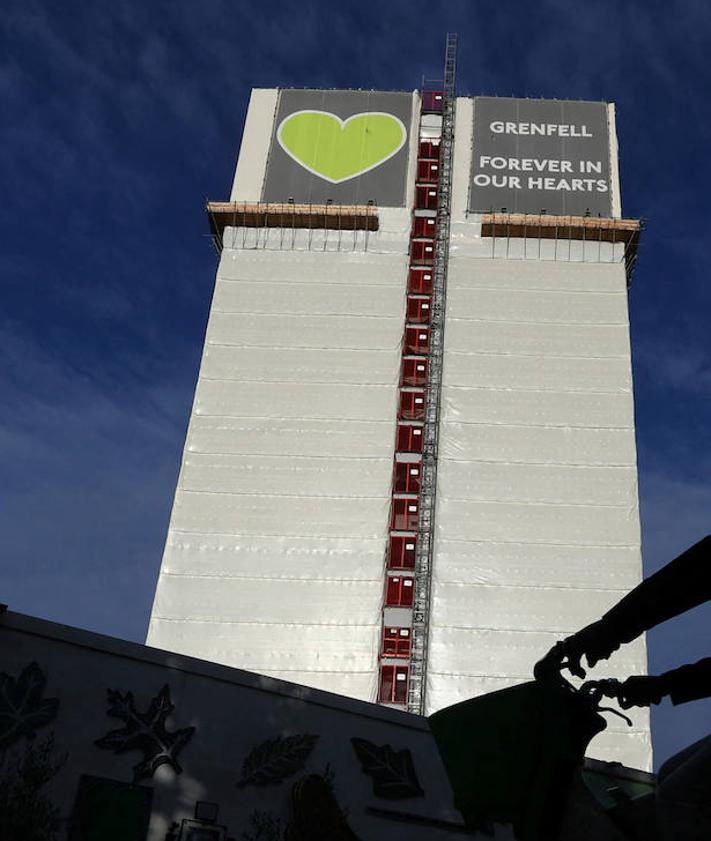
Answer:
(562, 238)
(290, 225)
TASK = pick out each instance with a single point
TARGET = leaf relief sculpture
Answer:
(271, 762)
(146, 732)
(23, 710)
(393, 772)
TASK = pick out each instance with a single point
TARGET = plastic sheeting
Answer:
(304, 331)
(518, 564)
(589, 251)
(369, 269)
(354, 367)
(273, 601)
(566, 445)
(528, 407)
(530, 608)
(500, 652)
(579, 525)
(297, 297)
(325, 642)
(313, 476)
(563, 484)
(290, 436)
(284, 514)
(537, 524)
(498, 370)
(329, 401)
(556, 340)
(577, 277)
(324, 558)
(538, 306)
(275, 552)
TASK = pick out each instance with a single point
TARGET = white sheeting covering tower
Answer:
(277, 543)
(275, 552)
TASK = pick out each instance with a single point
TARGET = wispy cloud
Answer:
(85, 474)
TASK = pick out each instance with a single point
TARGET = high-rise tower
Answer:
(410, 465)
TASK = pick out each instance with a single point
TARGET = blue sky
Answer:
(121, 118)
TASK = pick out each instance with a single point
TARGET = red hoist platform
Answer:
(396, 642)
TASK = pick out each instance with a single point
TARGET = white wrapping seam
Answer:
(313, 365)
(305, 255)
(468, 628)
(300, 375)
(531, 354)
(477, 319)
(259, 436)
(503, 650)
(272, 495)
(268, 330)
(443, 579)
(293, 515)
(304, 298)
(544, 340)
(521, 407)
(507, 608)
(309, 401)
(302, 475)
(542, 565)
(502, 541)
(332, 579)
(536, 523)
(490, 273)
(462, 280)
(540, 483)
(272, 600)
(274, 556)
(619, 390)
(506, 425)
(538, 307)
(559, 464)
(556, 447)
(529, 373)
(388, 283)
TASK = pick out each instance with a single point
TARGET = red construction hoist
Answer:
(403, 651)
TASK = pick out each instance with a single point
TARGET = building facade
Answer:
(410, 466)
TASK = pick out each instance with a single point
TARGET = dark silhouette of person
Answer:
(681, 585)
(684, 790)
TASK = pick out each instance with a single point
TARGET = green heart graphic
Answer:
(336, 149)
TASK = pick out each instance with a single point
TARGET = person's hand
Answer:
(594, 642)
(641, 691)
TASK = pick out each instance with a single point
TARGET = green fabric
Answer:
(510, 755)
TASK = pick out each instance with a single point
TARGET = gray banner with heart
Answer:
(384, 182)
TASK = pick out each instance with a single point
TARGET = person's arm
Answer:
(681, 585)
(687, 683)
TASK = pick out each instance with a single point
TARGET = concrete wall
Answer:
(232, 713)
